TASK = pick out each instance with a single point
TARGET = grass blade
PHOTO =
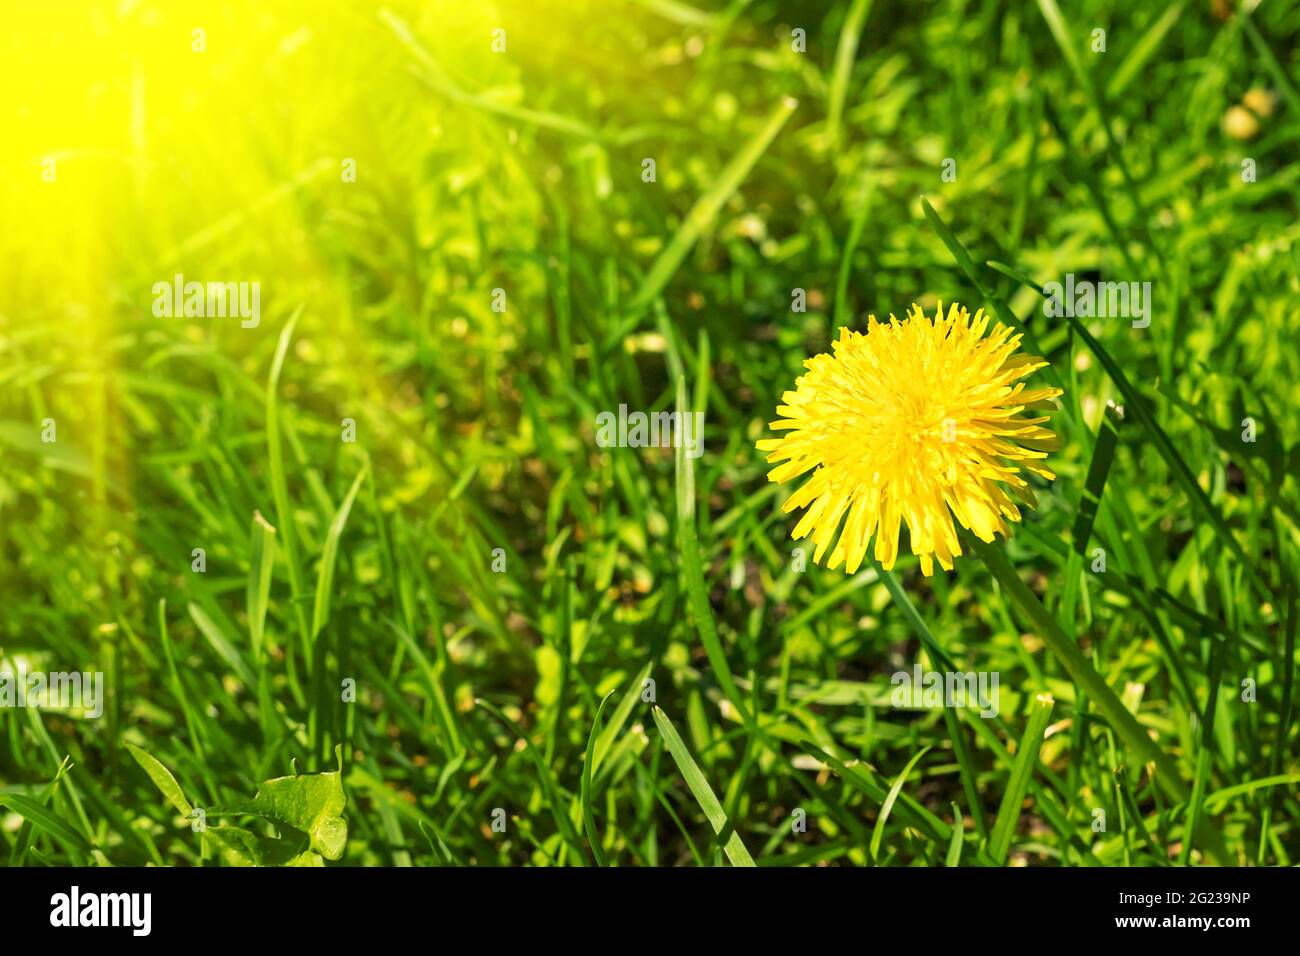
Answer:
(1004, 827)
(705, 212)
(329, 555)
(956, 842)
(606, 738)
(259, 580)
(279, 484)
(547, 779)
(1081, 670)
(845, 53)
(45, 819)
(700, 789)
(1103, 454)
(1138, 405)
(878, 833)
(588, 817)
(1144, 49)
(693, 568)
(1003, 311)
(222, 644)
(162, 778)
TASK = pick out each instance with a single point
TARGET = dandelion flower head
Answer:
(917, 422)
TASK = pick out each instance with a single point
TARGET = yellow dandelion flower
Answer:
(919, 421)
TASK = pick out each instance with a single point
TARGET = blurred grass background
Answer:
(521, 171)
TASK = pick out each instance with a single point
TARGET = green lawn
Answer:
(503, 643)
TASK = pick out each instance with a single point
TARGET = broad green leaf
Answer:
(311, 803)
(237, 846)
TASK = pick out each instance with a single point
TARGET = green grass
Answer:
(564, 654)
